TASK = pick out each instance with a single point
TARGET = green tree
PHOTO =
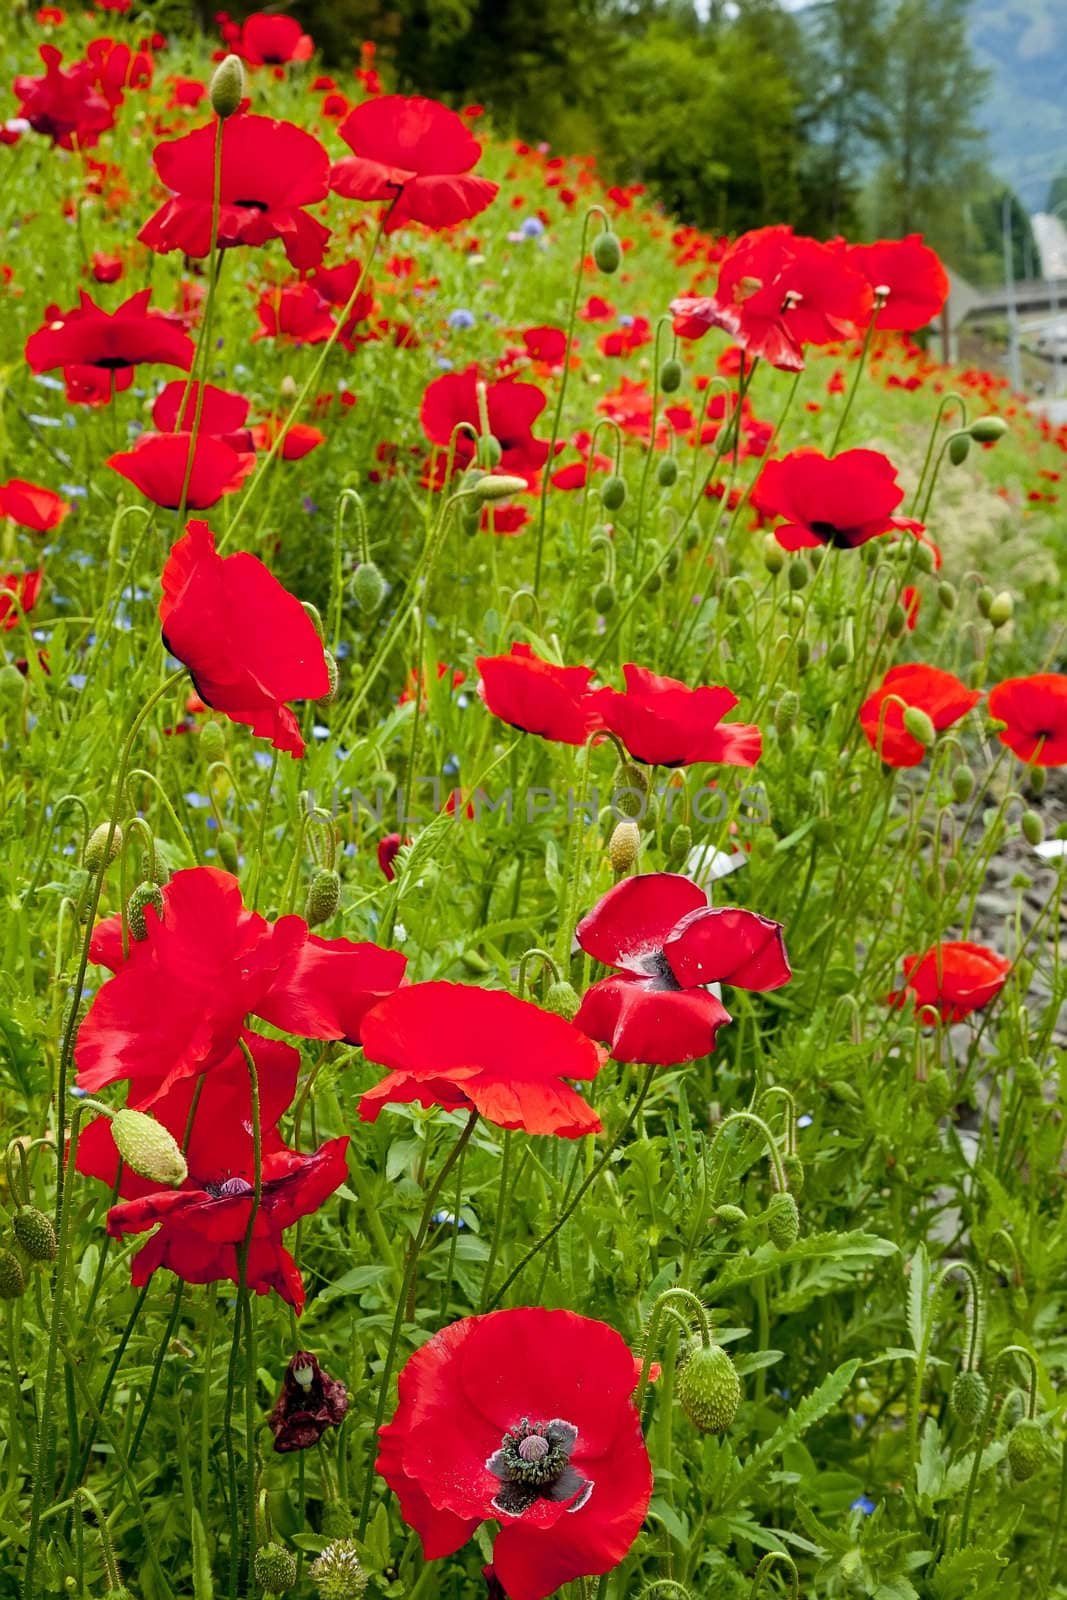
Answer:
(843, 108)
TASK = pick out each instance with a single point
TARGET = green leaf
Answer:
(203, 1583)
(802, 1417)
(969, 1574)
(930, 1467)
(918, 1295)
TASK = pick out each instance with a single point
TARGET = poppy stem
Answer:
(498, 1221)
(983, 1429)
(401, 1303)
(851, 396)
(565, 1215)
(202, 354)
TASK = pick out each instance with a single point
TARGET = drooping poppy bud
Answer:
(959, 448)
(670, 375)
(623, 846)
(35, 1234)
(1027, 1449)
(709, 1389)
(667, 472)
(324, 896)
(607, 251)
(783, 1221)
(968, 1398)
(368, 587)
(987, 430)
(275, 1568)
(12, 1277)
(148, 1147)
(613, 493)
(97, 847)
(562, 1000)
(146, 894)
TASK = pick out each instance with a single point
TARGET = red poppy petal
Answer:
(649, 1025)
(635, 918)
(725, 944)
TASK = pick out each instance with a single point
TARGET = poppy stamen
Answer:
(534, 1463)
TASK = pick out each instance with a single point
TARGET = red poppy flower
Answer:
(106, 268)
(31, 506)
(954, 979)
(525, 1418)
(248, 643)
(389, 847)
(186, 92)
(310, 1402)
(295, 312)
(177, 1002)
(504, 521)
(109, 344)
(202, 1227)
(513, 408)
(1035, 711)
(457, 1046)
(20, 587)
(943, 697)
(222, 413)
(911, 272)
(300, 438)
(536, 696)
(669, 943)
(778, 292)
(65, 104)
(417, 155)
(272, 41)
(830, 500)
(158, 462)
(270, 171)
(117, 68)
(664, 723)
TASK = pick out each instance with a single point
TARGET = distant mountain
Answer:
(1024, 44)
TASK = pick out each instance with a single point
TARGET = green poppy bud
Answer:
(962, 784)
(148, 1147)
(654, 582)
(938, 1093)
(324, 897)
(613, 493)
(773, 555)
(786, 712)
(987, 430)
(794, 1171)
(631, 786)
(764, 843)
(226, 845)
(604, 598)
(670, 375)
(212, 741)
(35, 1234)
(607, 251)
(623, 846)
(923, 557)
(708, 1388)
(823, 831)
(1027, 1449)
(803, 653)
(951, 872)
(1028, 1078)
(946, 596)
(338, 1573)
(489, 451)
(368, 587)
(1001, 608)
(839, 655)
(667, 472)
(1033, 829)
(783, 1221)
(896, 621)
(12, 685)
(970, 1393)
(337, 1520)
(227, 87)
(959, 447)
(798, 573)
(12, 1277)
(95, 849)
(984, 599)
(146, 894)
(500, 486)
(730, 1216)
(918, 723)
(680, 843)
(1037, 779)
(562, 999)
(275, 1568)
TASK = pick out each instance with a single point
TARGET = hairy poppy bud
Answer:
(607, 251)
(275, 1568)
(324, 896)
(708, 1388)
(923, 556)
(613, 493)
(987, 430)
(1037, 779)
(368, 587)
(337, 1520)
(670, 375)
(338, 1574)
(984, 599)
(946, 596)
(681, 842)
(654, 581)
(1028, 1078)
(12, 1277)
(623, 845)
(333, 678)
(226, 845)
(920, 725)
(786, 712)
(896, 621)
(490, 450)
(730, 1216)
(12, 684)
(773, 555)
(968, 1398)
(667, 472)
(794, 1171)
(212, 741)
(1033, 829)
(951, 872)
(1001, 608)
(500, 486)
(604, 597)
(562, 1000)
(803, 651)
(35, 1233)
(959, 447)
(1027, 1449)
(146, 894)
(938, 1093)
(798, 573)
(227, 87)
(783, 1221)
(839, 655)
(148, 1147)
(962, 784)
(95, 849)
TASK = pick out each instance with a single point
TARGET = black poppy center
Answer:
(534, 1463)
(251, 205)
(113, 363)
(831, 534)
(655, 967)
(228, 1189)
